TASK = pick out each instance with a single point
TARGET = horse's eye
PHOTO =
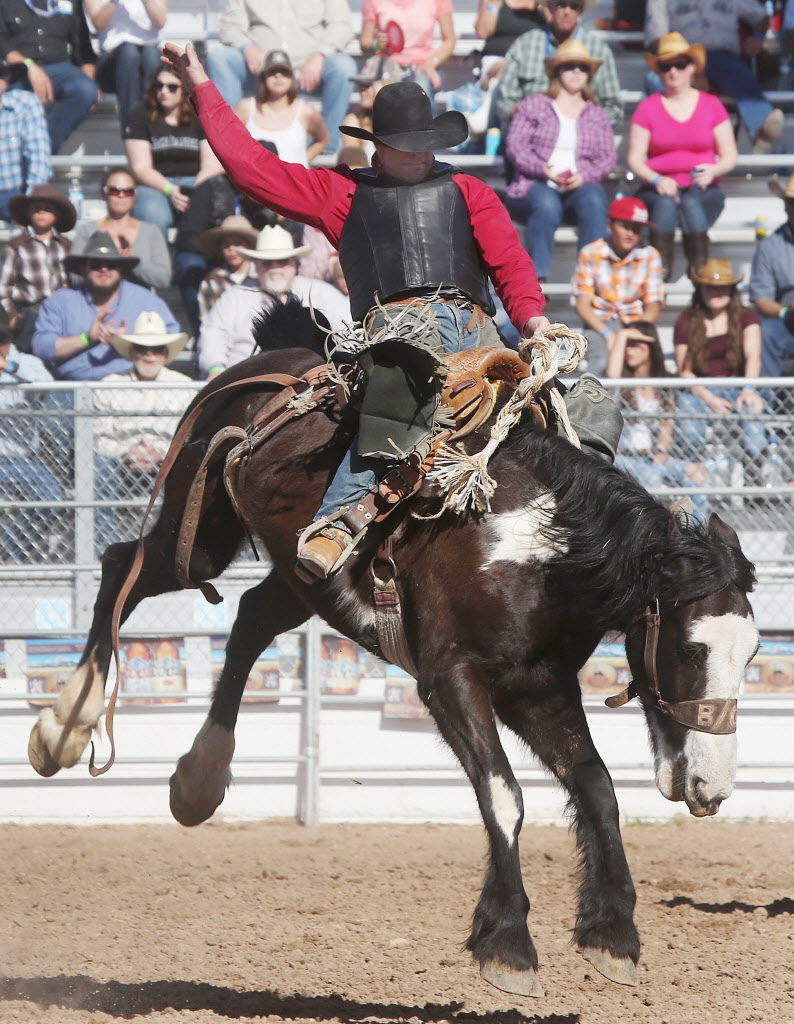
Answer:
(695, 653)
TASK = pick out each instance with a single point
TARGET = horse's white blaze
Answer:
(522, 535)
(505, 809)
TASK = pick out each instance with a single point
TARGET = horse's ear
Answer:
(723, 532)
(682, 508)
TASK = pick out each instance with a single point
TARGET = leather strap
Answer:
(388, 612)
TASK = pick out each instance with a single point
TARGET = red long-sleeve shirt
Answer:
(322, 196)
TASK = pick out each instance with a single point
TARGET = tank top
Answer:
(291, 142)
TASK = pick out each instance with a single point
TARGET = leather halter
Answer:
(715, 715)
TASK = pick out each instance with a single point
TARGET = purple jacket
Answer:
(533, 135)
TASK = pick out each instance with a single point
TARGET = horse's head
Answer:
(688, 664)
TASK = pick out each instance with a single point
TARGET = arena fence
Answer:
(65, 494)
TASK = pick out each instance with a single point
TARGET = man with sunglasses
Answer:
(75, 325)
(525, 63)
(618, 280)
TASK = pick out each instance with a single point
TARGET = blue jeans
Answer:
(126, 72)
(692, 432)
(697, 208)
(671, 474)
(227, 68)
(24, 532)
(154, 206)
(543, 209)
(75, 94)
(777, 344)
(358, 474)
(6, 195)
(190, 269)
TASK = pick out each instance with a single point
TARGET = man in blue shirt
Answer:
(75, 325)
(24, 143)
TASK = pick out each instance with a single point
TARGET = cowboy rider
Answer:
(409, 226)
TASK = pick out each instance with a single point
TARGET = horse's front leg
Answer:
(499, 938)
(557, 732)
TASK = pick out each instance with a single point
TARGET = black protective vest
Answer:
(401, 239)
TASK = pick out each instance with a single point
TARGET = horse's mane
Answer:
(290, 324)
(619, 547)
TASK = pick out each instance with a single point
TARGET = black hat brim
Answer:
(447, 130)
(73, 260)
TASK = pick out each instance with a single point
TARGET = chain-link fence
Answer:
(77, 464)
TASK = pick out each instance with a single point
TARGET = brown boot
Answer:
(696, 249)
(664, 241)
(319, 556)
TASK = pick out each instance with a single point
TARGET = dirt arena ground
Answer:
(273, 922)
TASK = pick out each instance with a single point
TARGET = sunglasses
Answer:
(114, 190)
(170, 86)
(679, 65)
(575, 65)
(142, 350)
(106, 264)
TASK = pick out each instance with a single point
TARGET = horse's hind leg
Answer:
(557, 732)
(499, 939)
(202, 776)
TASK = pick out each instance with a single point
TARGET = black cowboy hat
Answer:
(402, 118)
(66, 213)
(100, 244)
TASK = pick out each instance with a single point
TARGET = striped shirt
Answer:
(24, 142)
(32, 269)
(620, 287)
(215, 284)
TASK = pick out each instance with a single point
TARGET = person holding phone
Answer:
(561, 146)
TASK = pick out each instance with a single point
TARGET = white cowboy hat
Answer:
(149, 330)
(275, 243)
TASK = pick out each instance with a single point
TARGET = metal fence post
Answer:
(84, 513)
(309, 775)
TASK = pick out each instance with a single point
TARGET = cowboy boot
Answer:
(696, 249)
(321, 554)
(664, 242)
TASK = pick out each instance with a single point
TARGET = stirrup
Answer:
(323, 547)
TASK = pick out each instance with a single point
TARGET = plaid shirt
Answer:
(24, 142)
(620, 287)
(215, 284)
(525, 72)
(533, 135)
(32, 270)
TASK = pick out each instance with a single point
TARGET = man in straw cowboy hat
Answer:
(772, 286)
(129, 446)
(407, 229)
(223, 247)
(226, 334)
(715, 28)
(33, 264)
(75, 325)
(525, 69)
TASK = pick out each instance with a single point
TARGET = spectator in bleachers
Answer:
(524, 71)
(24, 142)
(133, 237)
(129, 447)
(561, 147)
(226, 336)
(680, 142)
(719, 337)
(23, 478)
(375, 73)
(715, 27)
(75, 325)
(277, 114)
(772, 287)
(419, 57)
(647, 449)
(128, 52)
(618, 280)
(33, 263)
(166, 150)
(314, 33)
(52, 46)
(500, 23)
(222, 246)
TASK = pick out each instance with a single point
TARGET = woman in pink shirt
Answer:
(680, 142)
(420, 56)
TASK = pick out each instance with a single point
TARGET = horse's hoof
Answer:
(39, 756)
(624, 972)
(508, 979)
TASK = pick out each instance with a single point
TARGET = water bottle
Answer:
(76, 191)
(761, 227)
(718, 465)
(773, 471)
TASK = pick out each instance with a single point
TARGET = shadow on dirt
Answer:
(125, 999)
(773, 909)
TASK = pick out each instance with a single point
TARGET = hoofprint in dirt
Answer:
(366, 923)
